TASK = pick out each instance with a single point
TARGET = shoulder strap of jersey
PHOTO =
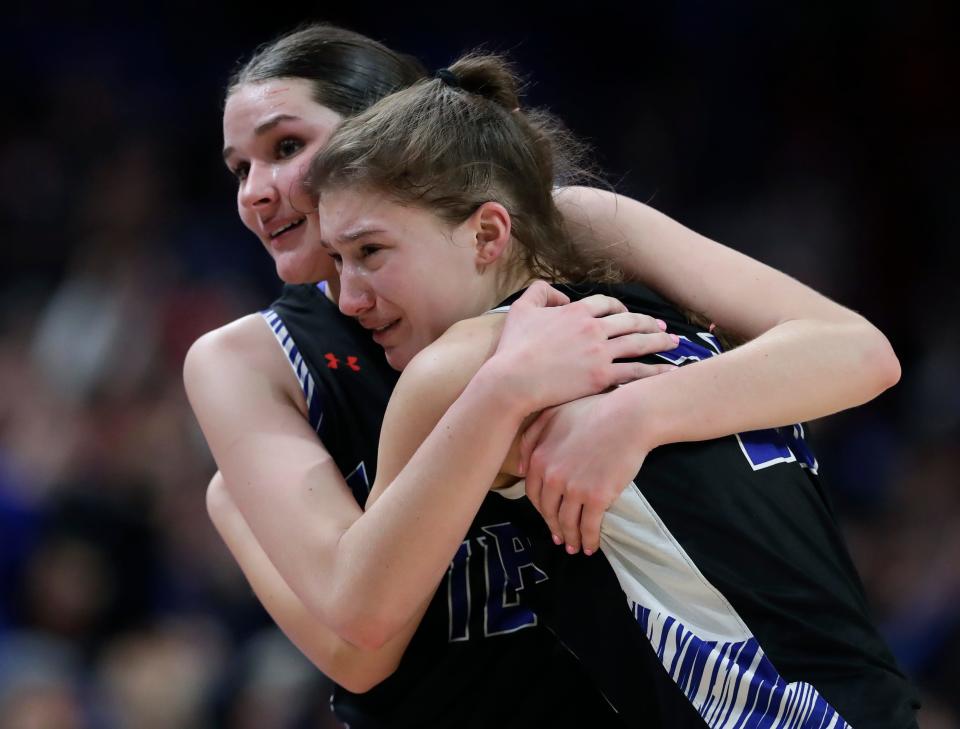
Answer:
(300, 370)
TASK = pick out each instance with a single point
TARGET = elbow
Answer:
(218, 501)
(357, 668)
(882, 364)
(892, 372)
(362, 614)
(365, 631)
(363, 680)
(362, 620)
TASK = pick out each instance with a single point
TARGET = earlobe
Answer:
(492, 226)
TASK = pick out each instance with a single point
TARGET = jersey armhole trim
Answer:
(299, 366)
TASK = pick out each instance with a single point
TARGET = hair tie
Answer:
(448, 77)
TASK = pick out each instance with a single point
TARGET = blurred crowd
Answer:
(832, 155)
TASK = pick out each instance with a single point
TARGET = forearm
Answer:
(355, 669)
(399, 550)
(774, 380)
(367, 574)
(831, 357)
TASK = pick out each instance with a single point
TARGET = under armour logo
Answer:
(333, 362)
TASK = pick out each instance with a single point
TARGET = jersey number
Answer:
(762, 448)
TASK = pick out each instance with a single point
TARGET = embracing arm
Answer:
(365, 575)
(829, 357)
(805, 357)
(355, 669)
(294, 500)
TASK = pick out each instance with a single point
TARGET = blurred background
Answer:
(822, 138)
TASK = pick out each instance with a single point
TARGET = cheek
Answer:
(324, 267)
(247, 216)
(288, 178)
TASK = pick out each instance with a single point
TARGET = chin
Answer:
(293, 269)
(397, 363)
(397, 359)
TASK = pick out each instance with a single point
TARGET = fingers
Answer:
(600, 305)
(541, 294)
(530, 438)
(622, 373)
(550, 500)
(630, 322)
(569, 515)
(590, 521)
(531, 467)
(638, 345)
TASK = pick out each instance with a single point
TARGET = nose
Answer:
(356, 296)
(259, 189)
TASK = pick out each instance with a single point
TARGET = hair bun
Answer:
(488, 76)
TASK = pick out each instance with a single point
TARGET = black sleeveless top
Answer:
(481, 657)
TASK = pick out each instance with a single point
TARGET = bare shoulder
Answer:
(244, 338)
(241, 352)
(429, 385)
(456, 356)
(438, 375)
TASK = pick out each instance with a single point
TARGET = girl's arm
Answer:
(845, 360)
(805, 357)
(355, 669)
(365, 575)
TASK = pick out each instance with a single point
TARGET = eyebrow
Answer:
(264, 127)
(352, 236)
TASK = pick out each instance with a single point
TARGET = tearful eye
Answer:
(288, 146)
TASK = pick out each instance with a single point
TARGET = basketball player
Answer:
(270, 133)
(733, 568)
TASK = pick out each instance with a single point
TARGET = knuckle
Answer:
(537, 462)
(596, 500)
(551, 483)
(599, 378)
(576, 490)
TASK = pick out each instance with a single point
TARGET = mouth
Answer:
(286, 228)
(380, 333)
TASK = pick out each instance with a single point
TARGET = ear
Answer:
(491, 225)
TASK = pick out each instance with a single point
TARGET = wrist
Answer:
(636, 406)
(504, 385)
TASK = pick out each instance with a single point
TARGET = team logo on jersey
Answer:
(334, 362)
(503, 557)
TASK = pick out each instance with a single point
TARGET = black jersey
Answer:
(481, 657)
(344, 375)
(737, 577)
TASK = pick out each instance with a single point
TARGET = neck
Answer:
(513, 283)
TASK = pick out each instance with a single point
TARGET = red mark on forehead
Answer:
(277, 90)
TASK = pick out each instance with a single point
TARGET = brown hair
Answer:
(348, 72)
(458, 140)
